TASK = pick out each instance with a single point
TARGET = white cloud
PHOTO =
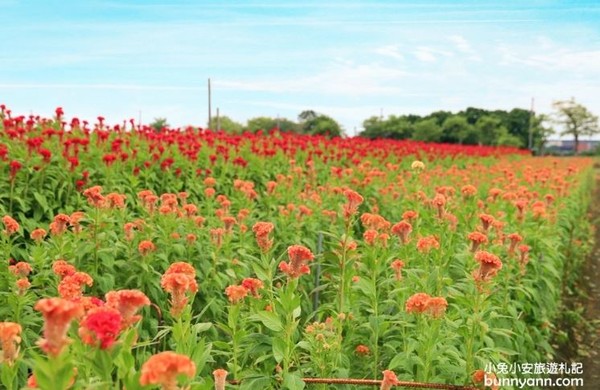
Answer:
(556, 59)
(464, 47)
(424, 54)
(392, 51)
(340, 78)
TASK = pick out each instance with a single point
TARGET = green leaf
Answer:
(278, 349)
(293, 382)
(202, 327)
(41, 199)
(269, 319)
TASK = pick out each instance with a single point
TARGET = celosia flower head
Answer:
(164, 368)
(253, 285)
(261, 231)
(10, 337)
(58, 314)
(236, 293)
(389, 379)
(298, 256)
(489, 265)
(178, 280)
(10, 225)
(402, 229)
(220, 375)
(127, 302)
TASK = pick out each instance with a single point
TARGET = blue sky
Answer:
(348, 59)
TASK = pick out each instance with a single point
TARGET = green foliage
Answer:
(266, 124)
(428, 130)
(225, 124)
(318, 124)
(158, 124)
(575, 119)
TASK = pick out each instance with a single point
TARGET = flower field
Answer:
(134, 259)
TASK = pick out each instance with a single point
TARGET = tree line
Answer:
(472, 126)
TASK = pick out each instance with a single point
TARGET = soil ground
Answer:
(590, 283)
(583, 343)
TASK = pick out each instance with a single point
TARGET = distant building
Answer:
(567, 146)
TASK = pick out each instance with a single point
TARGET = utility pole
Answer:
(531, 125)
(209, 104)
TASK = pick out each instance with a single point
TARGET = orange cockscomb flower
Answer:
(22, 285)
(397, 266)
(236, 293)
(424, 303)
(298, 257)
(389, 379)
(436, 306)
(468, 191)
(480, 377)
(115, 201)
(164, 368)
(94, 196)
(58, 314)
(60, 224)
(10, 224)
(402, 229)
(220, 375)
(410, 215)
(261, 231)
(369, 236)
(178, 280)
(10, 337)
(486, 221)
(489, 265)
(145, 247)
(62, 269)
(417, 303)
(127, 302)
(477, 239)
(426, 244)
(253, 285)
(38, 235)
(439, 201)
(353, 200)
(216, 236)
(101, 327)
(362, 350)
(524, 257)
(70, 287)
(21, 269)
(75, 220)
(515, 238)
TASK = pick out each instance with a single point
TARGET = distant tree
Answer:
(394, 127)
(427, 130)
(439, 116)
(307, 115)
(505, 138)
(318, 124)
(473, 114)
(576, 120)
(226, 124)
(542, 130)
(266, 123)
(490, 129)
(516, 122)
(158, 124)
(456, 128)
